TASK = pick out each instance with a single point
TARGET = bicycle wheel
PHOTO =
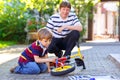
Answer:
(62, 70)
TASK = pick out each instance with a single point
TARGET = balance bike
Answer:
(63, 66)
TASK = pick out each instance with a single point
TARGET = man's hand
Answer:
(77, 27)
(61, 29)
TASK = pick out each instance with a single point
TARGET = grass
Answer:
(4, 44)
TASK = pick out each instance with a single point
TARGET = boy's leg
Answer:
(43, 67)
(70, 41)
(28, 68)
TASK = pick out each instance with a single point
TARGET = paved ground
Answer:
(99, 60)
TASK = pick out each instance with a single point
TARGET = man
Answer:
(65, 28)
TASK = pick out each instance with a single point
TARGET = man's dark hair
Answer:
(65, 4)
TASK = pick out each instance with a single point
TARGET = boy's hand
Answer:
(52, 59)
(48, 70)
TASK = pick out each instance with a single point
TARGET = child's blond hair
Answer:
(43, 33)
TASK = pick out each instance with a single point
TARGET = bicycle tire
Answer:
(62, 70)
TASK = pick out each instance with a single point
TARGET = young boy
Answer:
(34, 59)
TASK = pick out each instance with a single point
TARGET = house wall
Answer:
(105, 20)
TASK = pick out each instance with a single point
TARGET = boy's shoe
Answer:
(12, 69)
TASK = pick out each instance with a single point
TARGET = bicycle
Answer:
(63, 66)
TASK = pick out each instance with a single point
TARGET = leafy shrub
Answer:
(12, 21)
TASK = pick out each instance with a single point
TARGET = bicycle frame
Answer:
(61, 61)
(78, 54)
(61, 68)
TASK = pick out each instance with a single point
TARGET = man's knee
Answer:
(50, 50)
(75, 34)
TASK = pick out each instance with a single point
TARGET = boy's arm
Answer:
(48, 63)
(44, 59)
(41, 59)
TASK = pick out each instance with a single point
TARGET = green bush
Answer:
(15, 13)
(12, 21)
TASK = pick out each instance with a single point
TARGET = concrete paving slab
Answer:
(96, 61)
(115, 58)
